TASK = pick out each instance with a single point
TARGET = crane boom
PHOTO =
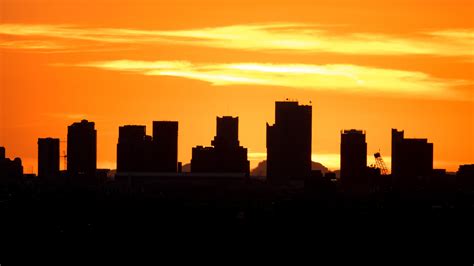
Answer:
(380, 164)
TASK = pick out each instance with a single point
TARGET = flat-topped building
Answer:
(48, 157)
(289, 142)
(82, 148)
(411, 157)
(226, 155)
(353, 155)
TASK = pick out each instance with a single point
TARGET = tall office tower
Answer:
(411, 157)
(226, 155)
(132, 149)
(227, 132)
(165, 151)
(82, 148)
(289, 142)
(353, 155)
(48, 157)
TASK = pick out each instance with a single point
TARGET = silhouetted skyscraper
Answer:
(227, 132)
(48, 157)
(165, 153)
(10, 168)
(132, 149)
(411, 157)
(137, 152)
(204, 160)
(289, 142)
(226, 155)
(353, 155)
(82, 148)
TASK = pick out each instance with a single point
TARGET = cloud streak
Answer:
(31, 45)
(269, 37)
(337, 77)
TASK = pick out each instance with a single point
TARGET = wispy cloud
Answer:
(31, 45)
(316, 38)
(337, 77)
(67, 116)
(269, 37)
(257, 156)
(466, 36)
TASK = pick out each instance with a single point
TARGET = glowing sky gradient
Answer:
(372, 65)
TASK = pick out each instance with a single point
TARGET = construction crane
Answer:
(64, 156)
(380, 164)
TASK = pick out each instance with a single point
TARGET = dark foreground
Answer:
(65, 209)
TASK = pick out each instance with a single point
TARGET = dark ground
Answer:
(253, 211)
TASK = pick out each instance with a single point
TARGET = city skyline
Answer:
(288, 141)
(363, 64)
(324, 120)
(138, 132)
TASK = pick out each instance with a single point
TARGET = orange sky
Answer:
(372, 65)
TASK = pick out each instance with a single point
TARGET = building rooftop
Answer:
(352, 131)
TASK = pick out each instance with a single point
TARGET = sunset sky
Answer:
(364, 64)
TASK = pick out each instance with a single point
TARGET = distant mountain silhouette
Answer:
(261, 169)
(186, 168)
(319, 166)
